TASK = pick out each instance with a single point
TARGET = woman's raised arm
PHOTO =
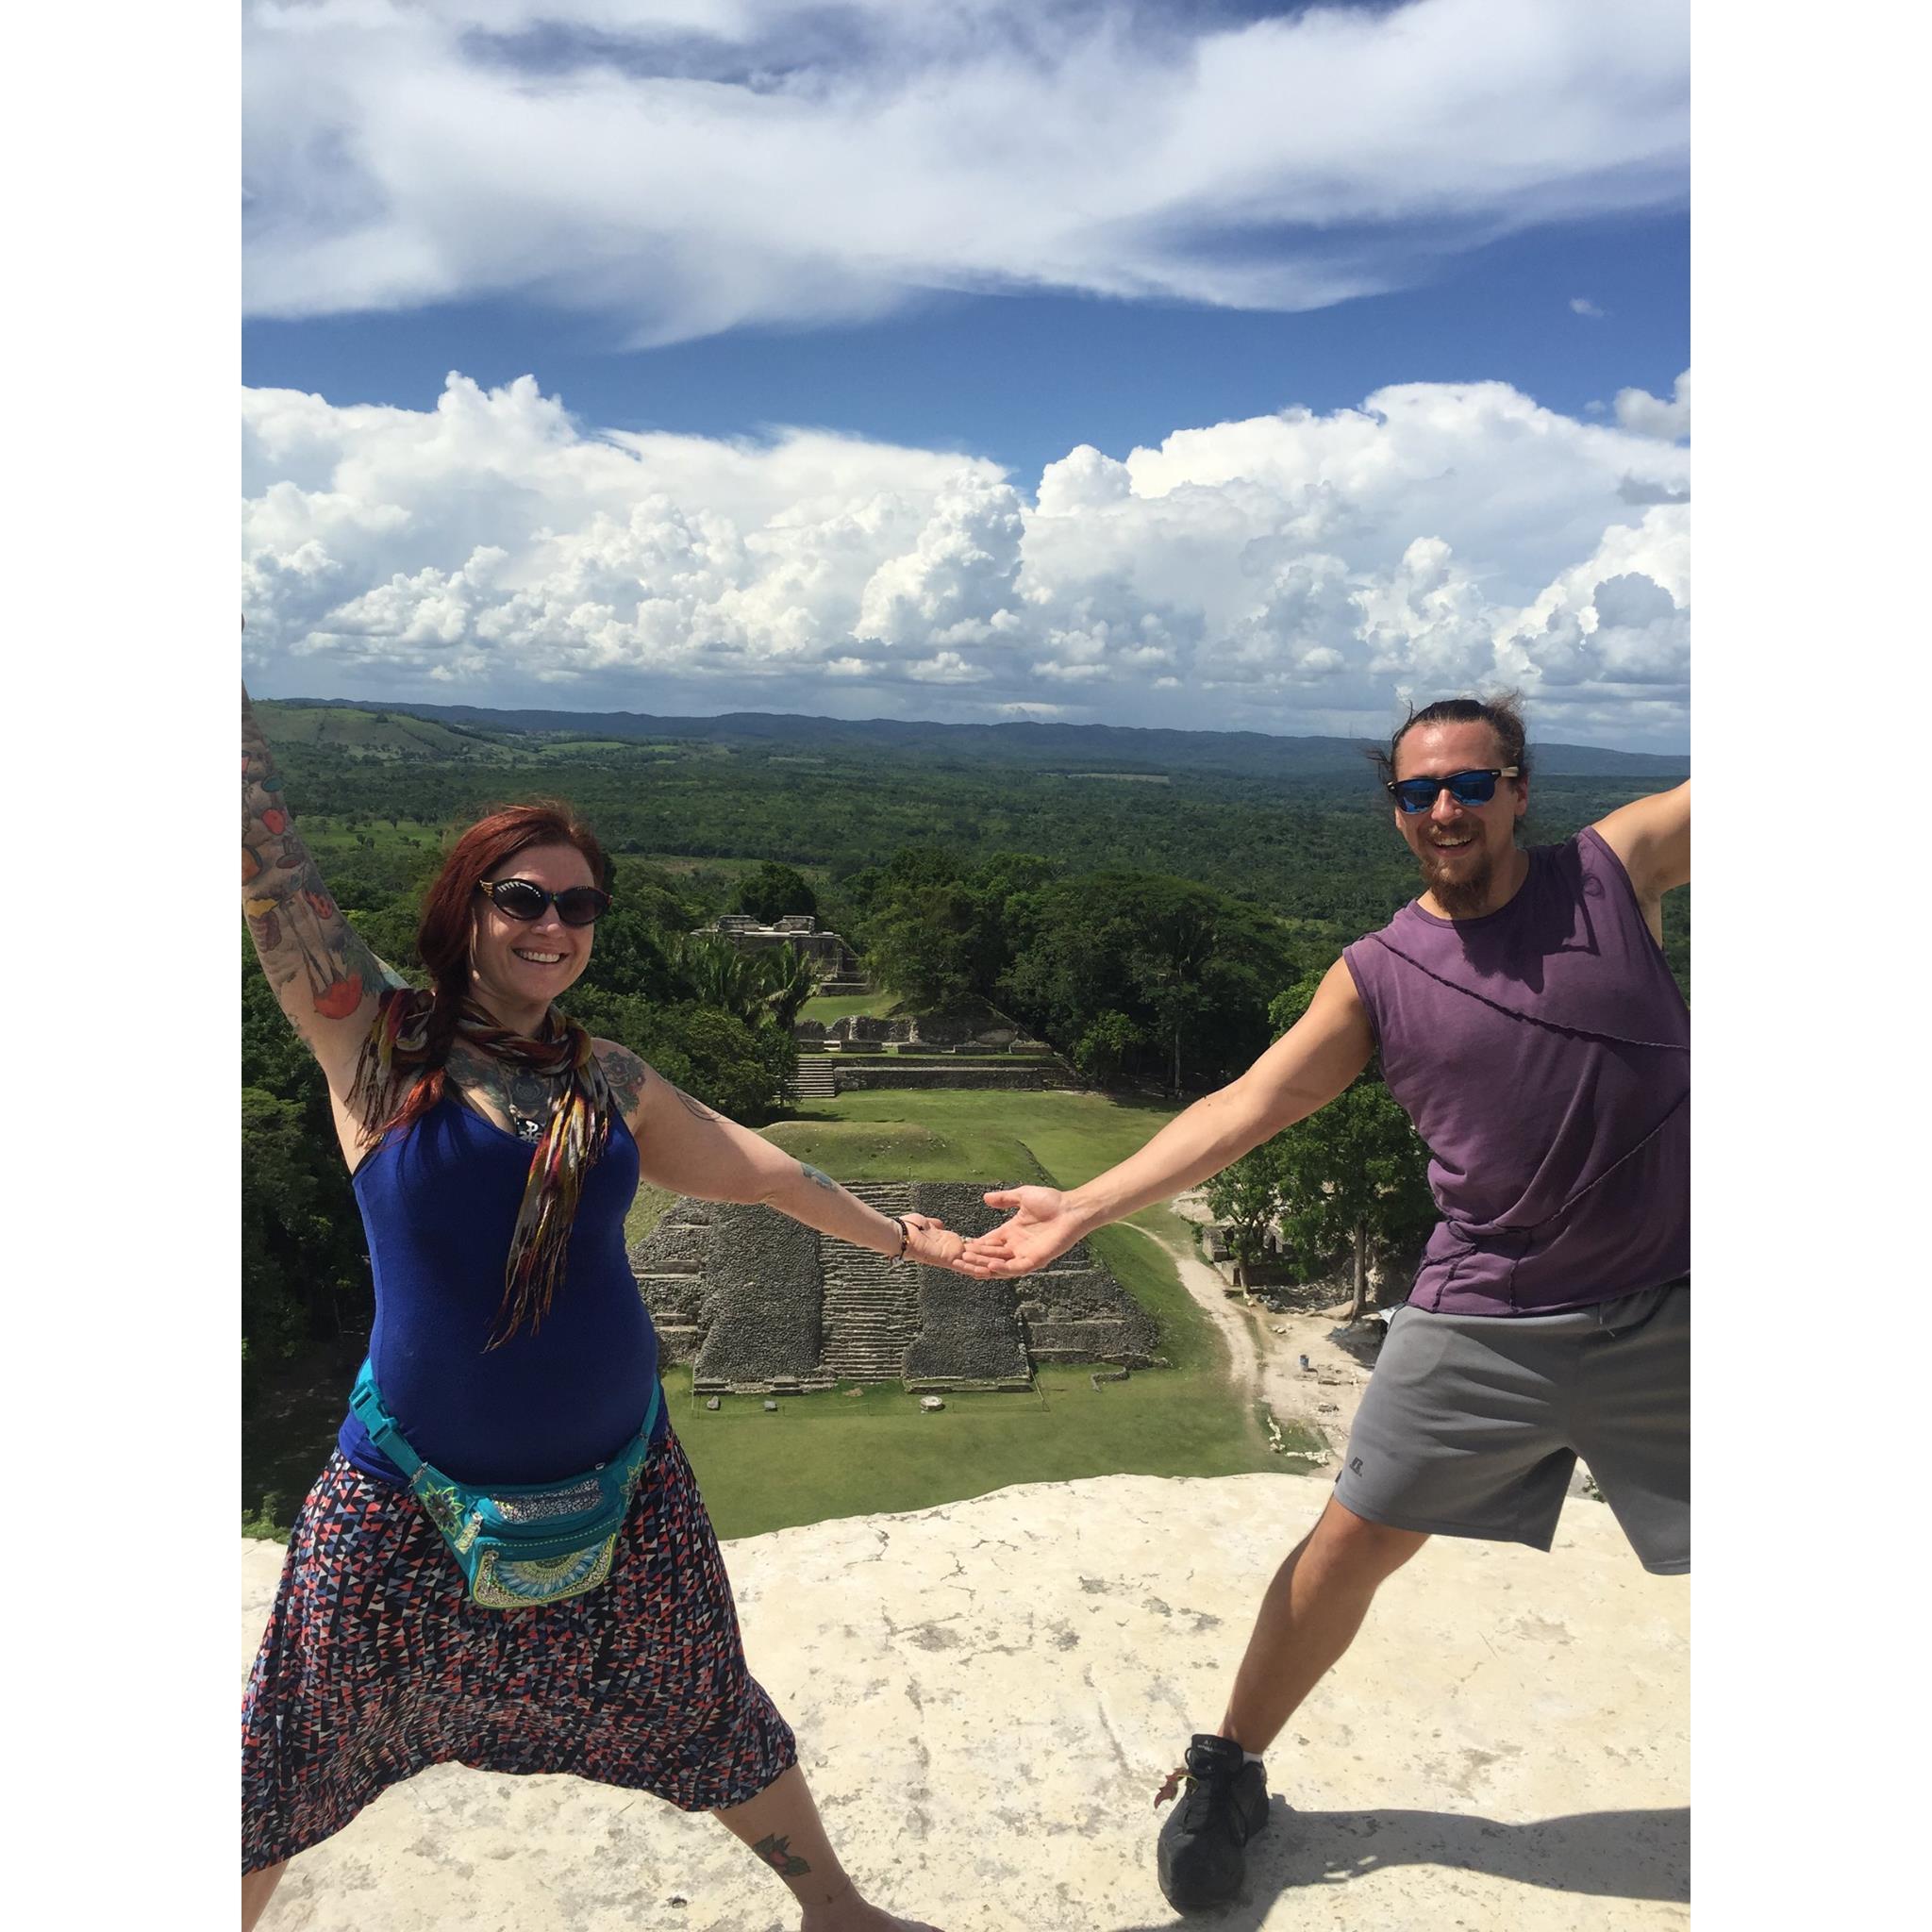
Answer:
(323, 974)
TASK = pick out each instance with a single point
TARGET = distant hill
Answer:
(1076, 749)
(385, 731)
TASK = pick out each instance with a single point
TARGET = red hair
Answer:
(449, 911)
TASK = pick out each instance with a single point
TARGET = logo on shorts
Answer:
(1355, 1462)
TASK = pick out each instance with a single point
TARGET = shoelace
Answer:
(1200, 1791)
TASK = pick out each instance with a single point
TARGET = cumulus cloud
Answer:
(1291, 571)
(1644, 414)
(687, 167)
(1582, 305)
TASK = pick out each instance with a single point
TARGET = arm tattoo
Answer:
(776, 1851)
(697, 1108)
(315, 958)
(824, 1180)
(627, 1075)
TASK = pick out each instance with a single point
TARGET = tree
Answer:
(303, 1276)
(390, 931)
(1352, 1177)
(647, 919)
(941, 932)
(1177, 947)
(928, 934)
(770, 893)
(791, 979)
(302, 1257)
(1104, 1048)
(739, 1069)
(712, 971)
(1188, 967)
(1245, 1198)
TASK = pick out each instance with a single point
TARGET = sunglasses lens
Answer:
(1416, 794)
(519, 898)
(1473, 787)
(582, 904)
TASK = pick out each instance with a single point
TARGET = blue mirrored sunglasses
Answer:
(1465, 788)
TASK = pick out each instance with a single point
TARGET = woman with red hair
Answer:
(494, 1148)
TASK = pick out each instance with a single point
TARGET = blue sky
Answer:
(1023, 378)
(955, 358)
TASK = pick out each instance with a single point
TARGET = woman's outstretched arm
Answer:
(683, 1146)
(323, 974)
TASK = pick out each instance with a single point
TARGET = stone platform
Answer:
(987, 1696)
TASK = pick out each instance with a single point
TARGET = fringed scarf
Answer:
(571, 1143)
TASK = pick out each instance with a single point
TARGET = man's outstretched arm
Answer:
(1312, 1062)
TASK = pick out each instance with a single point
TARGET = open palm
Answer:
(1042, 1226)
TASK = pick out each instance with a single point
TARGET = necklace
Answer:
(521, 1091)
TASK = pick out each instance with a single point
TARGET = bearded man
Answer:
(1528, 1026)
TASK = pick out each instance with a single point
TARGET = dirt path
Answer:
(1268, 1348)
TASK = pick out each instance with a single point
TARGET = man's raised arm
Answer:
(1652, 838)
(1306, 1068)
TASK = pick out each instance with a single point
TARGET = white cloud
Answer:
(686, 168)
(1647, 415)
(1284, 573)
(1582, 305)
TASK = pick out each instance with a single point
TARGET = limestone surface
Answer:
(987, 1694)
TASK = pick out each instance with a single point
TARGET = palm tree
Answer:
(716, 974)
(791, 979)
(765, 987)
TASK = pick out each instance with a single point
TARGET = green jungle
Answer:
(1150, 903)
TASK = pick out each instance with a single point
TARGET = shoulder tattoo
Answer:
(628, 1077)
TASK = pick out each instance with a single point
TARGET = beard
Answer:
(1462, 896)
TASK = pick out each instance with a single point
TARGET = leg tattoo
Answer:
(777, 1853)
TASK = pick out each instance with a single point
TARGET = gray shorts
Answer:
(1472, 1425)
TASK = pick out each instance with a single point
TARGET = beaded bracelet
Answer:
(904, 1237)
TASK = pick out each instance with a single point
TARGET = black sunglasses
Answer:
(1465, 788)
(525, 900)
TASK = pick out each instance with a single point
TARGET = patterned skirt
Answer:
(376, 1664)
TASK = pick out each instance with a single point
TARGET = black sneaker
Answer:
(1201, 1858)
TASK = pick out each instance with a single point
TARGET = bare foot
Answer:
(852, 1914)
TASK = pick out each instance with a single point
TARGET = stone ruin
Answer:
(930, 1033)
(758, 1304)
(838, 964)
(862, 1052)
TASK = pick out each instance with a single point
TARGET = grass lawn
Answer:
(329, 836)
(872, 1449)
(829, 1009)
(1072, 1137)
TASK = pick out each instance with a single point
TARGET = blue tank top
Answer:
(439, 1203)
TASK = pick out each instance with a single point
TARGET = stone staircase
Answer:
(870, 1303)
(815, 1078)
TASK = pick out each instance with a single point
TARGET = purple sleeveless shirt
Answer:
(1544, 1052)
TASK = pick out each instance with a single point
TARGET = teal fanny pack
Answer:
(519, 1544)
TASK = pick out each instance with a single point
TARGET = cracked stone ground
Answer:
(987, 1696)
